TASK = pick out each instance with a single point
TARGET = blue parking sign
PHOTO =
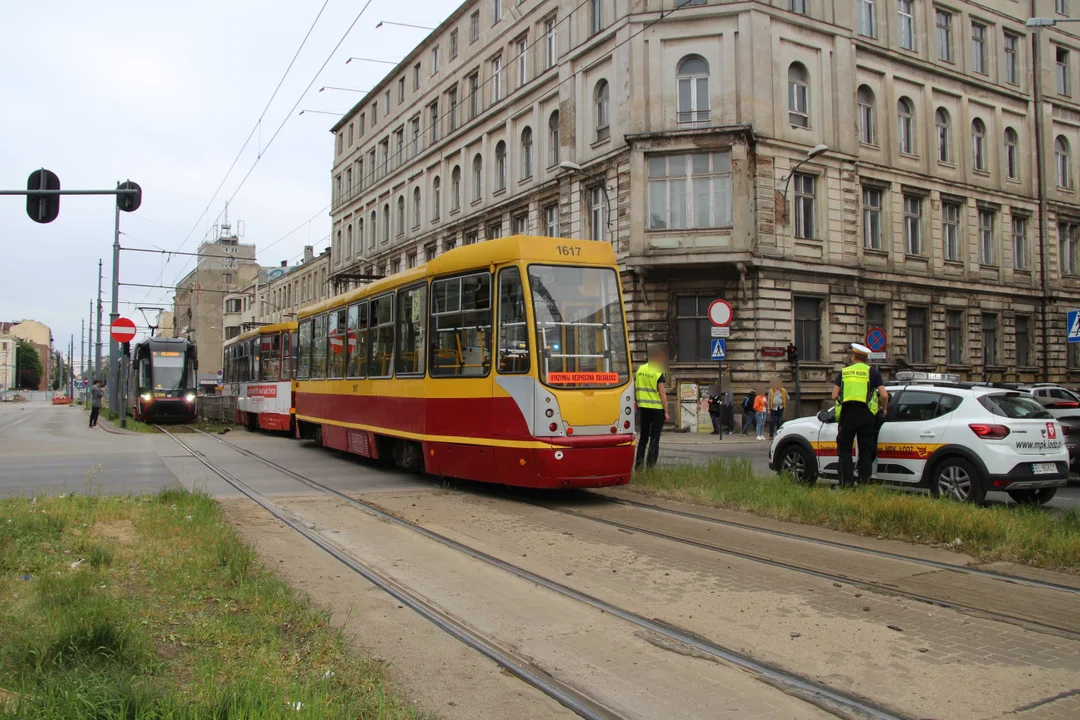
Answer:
(1074, 326)
(719, 349)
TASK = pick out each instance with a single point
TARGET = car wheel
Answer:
(1033, 497)
(799, 463)
(958, 479)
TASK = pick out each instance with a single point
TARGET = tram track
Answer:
(823, 696)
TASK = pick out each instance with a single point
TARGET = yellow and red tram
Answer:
(258, 372)
(504, 362)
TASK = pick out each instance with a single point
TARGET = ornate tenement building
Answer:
(945, 209)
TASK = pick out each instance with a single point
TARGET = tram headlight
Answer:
(190, 397)
(146, 397)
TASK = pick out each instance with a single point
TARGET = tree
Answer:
(28, 367)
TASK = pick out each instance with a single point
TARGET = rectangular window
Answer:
(867, 18)
(795, 6)
(521, 224)
(596, 16)
(401, 90)
(474, 27)
(522, 60)
(906, 14)
(808, 328)
(872, 219)
(452, 101)
(875, 316)
(1074, 356)
(304, 350)
(496, 79)
(513, 351)
(374, 112)
(453, 43)
(598, 213)
(350, 134)
(550, 53)
(950, 230)
(913, 225)
(433, 113)
(337, 336)
(340, 143)
(944, 35)
(1012, 70)
(471, 238)
(356, 348)
(412, 317)
(382, 336)
(233, 305)
(1023, 341)
(804, 206)
(918, 335)
(1019, 242)
(1061, 7)
(410, 260)
(429, 253)
(318, 348)
(386, 98)
(395, 267)
(461, 326)
(551, 221)
(978, 47)
(954, 337)
(990, 339)
(434, 59)
(1068, 248)
(690, 191)
(693, 334)
(415, 126)
(474, 99)
(494, 231)
(986, 237)
(226, 278)
(496, 11)
(416, 77)
(1062, 74)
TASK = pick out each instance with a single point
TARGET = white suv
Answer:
(957, 439)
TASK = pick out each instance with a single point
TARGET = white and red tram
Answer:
(258, 372)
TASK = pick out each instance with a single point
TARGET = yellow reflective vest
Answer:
(855, 387)
(646, 382)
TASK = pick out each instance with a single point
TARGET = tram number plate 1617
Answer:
(570, 250)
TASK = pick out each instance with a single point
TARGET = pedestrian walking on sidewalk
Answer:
(729, 410)
(649, 384)
(95, 402)
(778, 398)
(715, 410)
(748, 411)
(761, 408)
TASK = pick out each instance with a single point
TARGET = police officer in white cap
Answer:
(859, 391)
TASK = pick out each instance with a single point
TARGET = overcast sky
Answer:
(165, 94)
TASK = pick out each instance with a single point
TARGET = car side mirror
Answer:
(827, 416)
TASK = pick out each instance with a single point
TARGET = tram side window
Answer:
(356, 350)
(295, 350)
(286, 356)
(192, 379)
(303, 350)
(382, 336)
(412, 313)
(270, 357)
(513, 324)
(318, 348)
(337, 344)
(461, 326)
(144, 373)
(253, 359)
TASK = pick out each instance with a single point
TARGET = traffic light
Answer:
(129, 202)
(43, 208)
(792, 353)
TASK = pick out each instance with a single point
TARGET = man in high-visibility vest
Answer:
(651, 393)
(859, 391)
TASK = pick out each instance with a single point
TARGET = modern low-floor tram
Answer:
(258, 371)
(162, 384)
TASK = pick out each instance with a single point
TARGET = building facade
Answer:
(8, 380)
(288, 288)
(40, 336)
(944, 209)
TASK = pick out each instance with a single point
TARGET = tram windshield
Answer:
(168, 370)
(579, 326)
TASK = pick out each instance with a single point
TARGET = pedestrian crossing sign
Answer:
(1074, 326)
(719, 348)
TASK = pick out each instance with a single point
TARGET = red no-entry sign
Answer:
(122, 330)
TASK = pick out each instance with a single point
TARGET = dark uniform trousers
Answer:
(856, 423)
(652, 424)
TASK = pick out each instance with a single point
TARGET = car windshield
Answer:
(1014, 405)
(168, 369)
(579, 326)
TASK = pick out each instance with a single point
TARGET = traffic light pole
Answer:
(97, 353)
(798, 390)
(114, 347)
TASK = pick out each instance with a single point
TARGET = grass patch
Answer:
(131, 424)
(1014, 533)
(152, 607)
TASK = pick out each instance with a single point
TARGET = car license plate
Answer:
(1044, 468)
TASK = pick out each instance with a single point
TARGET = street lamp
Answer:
(321, 112)
(384, 62)
(575, 168)
(387, 22)
(331, 87)
(810, 155)
(1038, 22)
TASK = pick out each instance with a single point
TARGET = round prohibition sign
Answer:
(720, 313)
(122, 330)
(875, 339)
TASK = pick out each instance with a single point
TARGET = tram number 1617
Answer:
(571, 250)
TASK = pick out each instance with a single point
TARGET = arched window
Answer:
(436, 197)
(526, 153)
(400, 227)
(602, 98)
(944, 135)
(337, 246)
(455, 188)
(867, 127)
(360, 235)
(553, 139)
(386, 222)
(416, 207)
(1062, 163)
(798, 96)
(500, 165)
(477, 177)
(905, 111)
(348, 240)
(978, 144)
(1012, 154)
(693, 79)
(373, 228)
